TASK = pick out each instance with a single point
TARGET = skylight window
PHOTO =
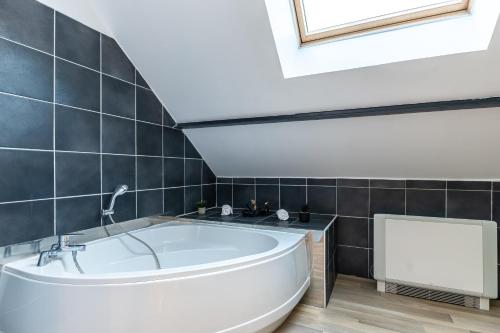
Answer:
(321, 19)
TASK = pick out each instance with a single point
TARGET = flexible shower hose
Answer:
(153, 253)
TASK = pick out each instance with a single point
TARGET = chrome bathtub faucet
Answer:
(57, 250)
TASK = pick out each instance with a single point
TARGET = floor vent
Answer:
(432, 295)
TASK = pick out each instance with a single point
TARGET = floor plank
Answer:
(357, 307)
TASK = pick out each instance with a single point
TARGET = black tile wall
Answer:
(77, 42)
(26, 72)
(25, 221)
(174, 201)
(322, 199)
(292, 198)
(77, 130)
(118, 97)
(26, 175)
(114, 61)
(25, 123)
(149, 107)
(242, 194)
(270, 194)
(174, 172)
(80, 213)
(192, 172)
(29, 23)
(192, 194)
(72, 133)
(356, 201)
(77, 86)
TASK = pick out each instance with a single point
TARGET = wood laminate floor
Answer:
(357, 307)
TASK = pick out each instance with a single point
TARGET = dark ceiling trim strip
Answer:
(351, 113)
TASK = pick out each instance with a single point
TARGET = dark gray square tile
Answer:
(322, 200)
(496, 186)
(426, 184)
(114, 61)
(322, 181)
(26, 175)
(149, 203)
(469, 204)
(267, 181)
(77, 42)
(77, 86)
(268, 193)
(77, 174)
(140, 80)
(347, 182)
(25, 123)
(387, 201)
(245, 181)
(192, 196)
(352, 231)
(173, 142)
(26, 72)
(174, 201)
(117, 170)
(77, 130)
(149, 107)
(208, 175)
(242, 194)
(174, 172)
(124, 207)
(118, 97)
(426, 202)
(496, 208)
(224, 180)
(193, 172)
(469, 185)
(191, 151)
(387, 183)
(149, 173)
(167, 118)
(76, 214)
(292, 181)
(148, 139)
(292, 198)
(209, 195)
(224, 195)
(352, 261)
(28, 22)
(353, 201)
(26, 221)
(118, 135)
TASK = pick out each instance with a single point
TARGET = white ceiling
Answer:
(216, 59)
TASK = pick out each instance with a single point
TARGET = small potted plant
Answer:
(304, 215)
(202, 207)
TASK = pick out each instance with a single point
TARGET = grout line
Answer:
(100, 120)
(162, 160)
(135, 143)
(54, 120)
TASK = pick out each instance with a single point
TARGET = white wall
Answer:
(443, 145)
(80, 10)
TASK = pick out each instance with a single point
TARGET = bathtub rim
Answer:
(24, 270)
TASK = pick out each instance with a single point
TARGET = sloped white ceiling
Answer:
(216, 59)
(444, 145)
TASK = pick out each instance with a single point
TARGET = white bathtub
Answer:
(213, 279)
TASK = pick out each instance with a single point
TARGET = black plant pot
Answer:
(304, 217)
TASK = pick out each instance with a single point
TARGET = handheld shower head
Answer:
(119, 190)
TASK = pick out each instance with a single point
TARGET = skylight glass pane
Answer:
(324, 14)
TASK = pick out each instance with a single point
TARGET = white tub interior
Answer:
(176, 246)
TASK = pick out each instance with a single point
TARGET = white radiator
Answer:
(417, 256)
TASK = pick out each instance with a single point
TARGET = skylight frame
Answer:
(390, 21)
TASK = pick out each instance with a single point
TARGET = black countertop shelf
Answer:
(317, 221)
